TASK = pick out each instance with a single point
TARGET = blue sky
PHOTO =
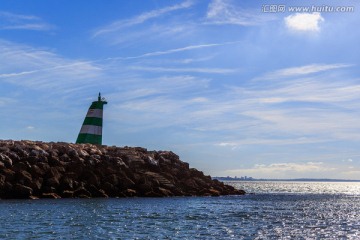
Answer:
(230, 86)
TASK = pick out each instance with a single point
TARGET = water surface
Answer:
(291, 213)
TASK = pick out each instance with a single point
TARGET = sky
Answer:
(260, 88)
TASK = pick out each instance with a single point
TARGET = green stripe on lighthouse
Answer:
(91, 130)
(93, 121)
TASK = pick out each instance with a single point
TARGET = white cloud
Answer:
(268, 142)
(11, 21)
(225, 12)
(304, 70)
(199, 100)
(118, 25)
(301, 111)
(176, 50)
(166, 85)
(5, 100)
(284, 170)
(41, 69)
(195, 70)
(304, 22)
(227, 144)
(287, 170)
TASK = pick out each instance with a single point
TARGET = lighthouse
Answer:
(91, 130)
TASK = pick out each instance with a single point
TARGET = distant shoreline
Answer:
(285, 180)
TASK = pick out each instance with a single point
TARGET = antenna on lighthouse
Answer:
(91, 130)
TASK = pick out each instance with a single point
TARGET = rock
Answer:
(109, 189)
(50, 195)
(82, 193)
(82, 153)
(36, 184)
(95, 192)
(31, 169)
(13, 156)
(67, 194)
(144, 188)
(9, 174)
(2, 180)
(125, 183)
(53, 173)
(21, 166)
(20, 151)
(130, 193)
(73, 153)
(21, 191)
(112, 179)
(214, 192)
(43, 166)
(153, 194)
(52, 182)
(163, 192)
(66, 183)
(65, 158)
(23, 177)
(36, 171)
(90, 177)
(6, 160)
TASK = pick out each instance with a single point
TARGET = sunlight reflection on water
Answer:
(349, 188)
(277, 210)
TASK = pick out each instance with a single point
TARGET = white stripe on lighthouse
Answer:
(91, 129)
(98, 113)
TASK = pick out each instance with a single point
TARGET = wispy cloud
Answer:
(11, 21)
(156, 33)
(176, 50)
(284, 170)
(303, 111)
(226, 12)
(5, 100)
(30, 128)
(270, 141)
(41, 69)
(26, 66)
(141, 88)
(304, 70)
(313, 169)
(195, 70)
(118, 25)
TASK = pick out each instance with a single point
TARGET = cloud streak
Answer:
(304, 70)
(176, 50)
(222, 12)
(36, 68)
(118, 25)
(287, 170)
(284, 170)
(11, 21)
(194, 70)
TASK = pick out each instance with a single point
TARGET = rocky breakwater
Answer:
(62, 170)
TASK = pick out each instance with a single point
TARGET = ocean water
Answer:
(276, 210)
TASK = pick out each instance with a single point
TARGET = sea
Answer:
(270, 210)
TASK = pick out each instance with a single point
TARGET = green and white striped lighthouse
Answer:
(91, 130)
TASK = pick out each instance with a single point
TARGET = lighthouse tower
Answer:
(91, 130)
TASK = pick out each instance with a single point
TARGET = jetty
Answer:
(33, 169)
